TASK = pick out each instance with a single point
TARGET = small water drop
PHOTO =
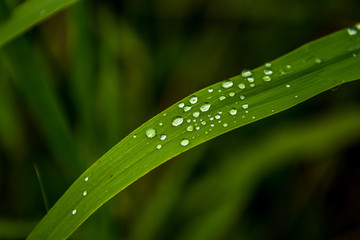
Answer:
(250, 79)
(253, 117)
(212, 125)
(160, 124)
(267, 78)
(158, 146)
(177, 121)
(86, 179)
(352, 31)
(268, 71)
(233, 111)
(73, 212)
(354, 55)
(184, 142)
(219, 112)
(268, 65)
(203, 123)
(197, 127)
(241, 86)
(282, 72)
(193, 99)
(231, 94)
(227, 84)
(245, 106)
(181, 105)
(217, 116)
(190, 128)
(252, 85)
(288, 85)
(165, 114)
(150, 133)
(242, 97)
(225, 125)
(222, 98)
(163, 137)
(246, 73)
(210, 90)
(135, 135)
(318, 60)
(196, 114)
(205, 107)
(288, 66)
(357, 25)
(296, 96)
(84, 193)
(187, 108)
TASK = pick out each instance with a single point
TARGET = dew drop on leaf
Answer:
(158, 146)
(205, 107)
(288, 85)
(177, 121)
(163, 137)
(231, 94)
(84, 193)
(184, 142)
(190, 128)
(251, 79)
(187, 108)
(210, 90)
(268, 65)
(268, 71)
(233, 111)
(73, 212)
(150, 133)
(225, 125)
(352, 31)
(227, 84)
(196, 114)
(86, 179)
(246, 73)
(245, 106)
(241, 86)
(267, 78)
(181, 105)
(193, 99)
(222, 98)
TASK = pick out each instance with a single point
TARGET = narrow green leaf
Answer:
(27, 15)
(279, 85)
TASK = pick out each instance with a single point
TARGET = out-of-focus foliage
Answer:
(78, 83)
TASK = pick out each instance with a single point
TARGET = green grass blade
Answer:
(296, 77)
(27, 15)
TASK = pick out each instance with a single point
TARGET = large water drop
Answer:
(177, 121)
(193, 99)
(246, 73)
(233, 111)
(227, 84)
(205, 107)
(150, 133)
(184, 142)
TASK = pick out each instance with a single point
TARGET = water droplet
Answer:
(190, 128)
(268, 71)
(222, 98)
(84, 193)
(246, 73)
(267, 64)
(287, 85)
(357, 25)
(150, 133)
(354, 55)
(177, 121)
(227, 84)
(181, 105)
(193, 99)
(196, 114)
(86, 179)
(163, 137)
(245, 106)
(231, 94)
(252, 85)
(241, 86)
(267, 78)
(135, 135)
(158, 146)
(352, 31)
(253, 117)
(187, 108)
(250, 79)
(217, 116)
(233, 111)
(210, 90)
(184, 142)
(296, 96)
(282, 72)
(225, 125)
(242, 97)
(197, 128)
(288, 66)
(203, 123)
(73, 212)
(205, 107)
(318, 60)
(219, 112)
(165, 114)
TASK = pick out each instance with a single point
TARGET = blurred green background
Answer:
(79, 82)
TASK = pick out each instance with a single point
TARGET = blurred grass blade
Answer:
(28, 14)
(43, 192)
(279, 85)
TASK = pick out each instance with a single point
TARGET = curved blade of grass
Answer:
(27, 15)
(297, 76)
